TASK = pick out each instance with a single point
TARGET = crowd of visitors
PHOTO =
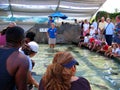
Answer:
(16, 51)
(103, 37)
(16, 64)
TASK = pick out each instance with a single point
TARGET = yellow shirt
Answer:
(102, 25)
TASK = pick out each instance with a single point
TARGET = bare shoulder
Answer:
(20, 73)
(19, 57)
(17, 61)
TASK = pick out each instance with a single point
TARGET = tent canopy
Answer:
(71, 8)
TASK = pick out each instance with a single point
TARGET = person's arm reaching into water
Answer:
(32, 80)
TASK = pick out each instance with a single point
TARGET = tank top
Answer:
(6, 80)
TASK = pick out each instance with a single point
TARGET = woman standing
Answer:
(51, 34)
(86, 26)
(60, 75)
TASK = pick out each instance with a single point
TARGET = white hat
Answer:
(92, 26)
(34, 46)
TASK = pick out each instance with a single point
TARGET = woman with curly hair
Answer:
(60, 75)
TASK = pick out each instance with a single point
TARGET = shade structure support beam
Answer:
(57, 8)
(10, 6)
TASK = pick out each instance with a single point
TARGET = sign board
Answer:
(43, 29)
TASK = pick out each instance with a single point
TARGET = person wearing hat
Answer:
(60, 75)
(92, 31)
(30, 50)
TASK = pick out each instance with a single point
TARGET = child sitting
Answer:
(81, 41)
(85, 42)
(107, 53)
(116, 51)
(104, 48)
(96, 45)
(91, 43)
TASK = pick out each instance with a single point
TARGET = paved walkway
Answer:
(103, 73)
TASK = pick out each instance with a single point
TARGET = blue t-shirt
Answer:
(52, 32)
(109, 27)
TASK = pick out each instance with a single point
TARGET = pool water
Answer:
(103, 73)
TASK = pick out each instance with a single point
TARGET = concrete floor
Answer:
(102, 73)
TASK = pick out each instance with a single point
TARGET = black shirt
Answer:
(6, 80)
(80, 84)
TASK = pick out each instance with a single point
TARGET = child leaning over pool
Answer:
(117, 51)
(30, 50)
(104, 48)
(60, 75)
(85, 41)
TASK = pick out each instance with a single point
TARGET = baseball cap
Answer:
(34, 46)
(71, 63)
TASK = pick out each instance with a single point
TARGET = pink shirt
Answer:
(97, 42)
(2, 40)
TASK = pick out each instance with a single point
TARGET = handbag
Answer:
(104, 32)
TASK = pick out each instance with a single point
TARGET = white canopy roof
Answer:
(71, 8)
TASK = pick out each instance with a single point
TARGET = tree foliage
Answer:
(113, 15)
(101, 14)
(106, 15)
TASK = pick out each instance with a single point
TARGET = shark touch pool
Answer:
(103, 73)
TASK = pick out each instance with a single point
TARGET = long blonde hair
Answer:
(58, 77)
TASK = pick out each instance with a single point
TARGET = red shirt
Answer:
(105, 47)
(91, 40)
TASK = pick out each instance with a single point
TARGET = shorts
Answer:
(52, 41)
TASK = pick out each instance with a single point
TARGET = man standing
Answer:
(13, 64)
(102, 27)
(51, 34)
(109, 27)
(117, 30)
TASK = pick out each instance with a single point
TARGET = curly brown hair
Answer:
(58, 77)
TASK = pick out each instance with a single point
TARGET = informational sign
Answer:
(43, 29)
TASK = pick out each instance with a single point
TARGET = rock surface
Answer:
(66, 33)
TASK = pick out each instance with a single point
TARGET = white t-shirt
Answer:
(117, 51)
(95, 25)
(86, 26)
(86, 39)
(92, 32)
(113, 50)
(29, 60)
